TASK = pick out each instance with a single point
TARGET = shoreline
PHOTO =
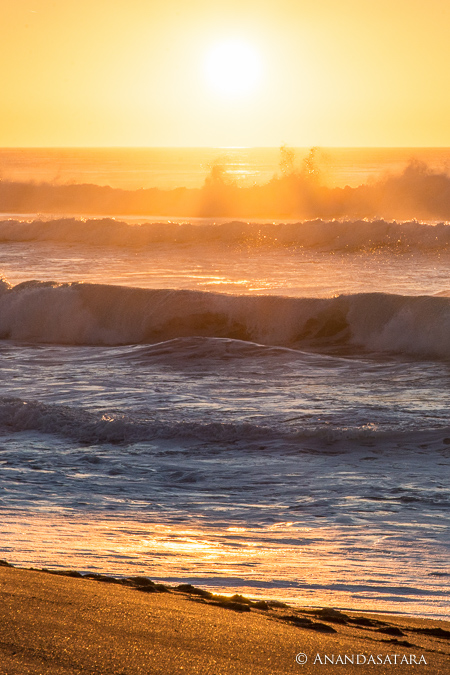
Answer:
(228, 586)
(63, 622)
(204, 586)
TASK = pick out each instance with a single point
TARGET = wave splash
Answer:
(417, 192)
(95, 314)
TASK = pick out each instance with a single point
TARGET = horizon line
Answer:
(222, 147)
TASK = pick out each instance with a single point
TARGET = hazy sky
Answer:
(135, 72)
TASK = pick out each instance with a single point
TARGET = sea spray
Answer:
(323, 235)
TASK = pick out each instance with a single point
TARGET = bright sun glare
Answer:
(233, 68)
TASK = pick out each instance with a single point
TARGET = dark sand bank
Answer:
(60, 624)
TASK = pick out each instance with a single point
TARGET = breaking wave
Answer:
(94, 314)
(327, 235)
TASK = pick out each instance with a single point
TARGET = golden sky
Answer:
(139, 73)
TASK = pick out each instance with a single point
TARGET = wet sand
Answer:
(58, 624)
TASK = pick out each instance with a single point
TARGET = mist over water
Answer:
(168, 168)
(411, 188)
(251, 396)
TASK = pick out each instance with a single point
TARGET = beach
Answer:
(58, 624)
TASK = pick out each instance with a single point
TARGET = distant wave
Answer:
(94, 314)
(348, 235)
(418, 192)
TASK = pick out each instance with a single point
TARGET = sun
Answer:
(233, 68)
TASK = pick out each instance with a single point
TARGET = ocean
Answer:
(230, 367)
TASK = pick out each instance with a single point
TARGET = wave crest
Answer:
(94, 314)
(327, 235)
